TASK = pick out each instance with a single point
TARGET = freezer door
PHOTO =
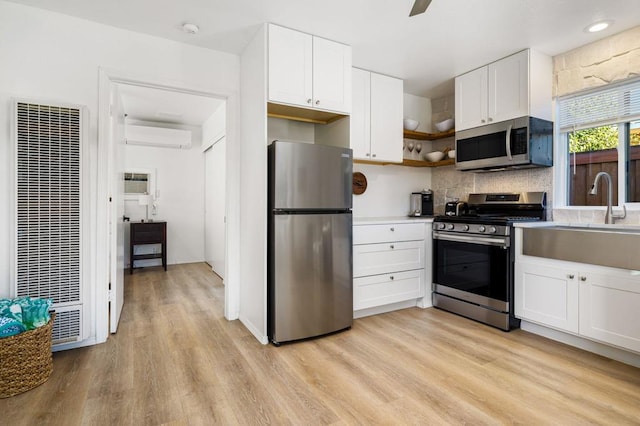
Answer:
(309, 176)
(311, 288)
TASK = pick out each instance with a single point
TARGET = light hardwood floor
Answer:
(176, 360)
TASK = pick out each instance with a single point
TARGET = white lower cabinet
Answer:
(610, 308)
(547, 295)
(390, 264)
(371, 259)
(383, 289)
(598, 303)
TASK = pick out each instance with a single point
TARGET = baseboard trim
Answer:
(612, 352)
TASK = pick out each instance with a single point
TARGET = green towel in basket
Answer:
(10, 327)
(35, 312)
(10, 309)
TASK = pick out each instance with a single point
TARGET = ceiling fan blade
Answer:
(419, 7)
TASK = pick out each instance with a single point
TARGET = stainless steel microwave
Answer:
(519, 143)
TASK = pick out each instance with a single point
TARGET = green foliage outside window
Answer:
(593, 139)
(599, 138)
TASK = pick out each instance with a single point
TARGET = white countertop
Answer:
(391, 219)
(575, 224)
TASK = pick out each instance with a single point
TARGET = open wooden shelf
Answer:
(410, 163)
(409, 134)
(301, 114)
(420, 163)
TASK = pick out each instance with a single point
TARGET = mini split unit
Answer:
(157, 136)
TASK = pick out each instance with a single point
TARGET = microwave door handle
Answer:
(507, 143)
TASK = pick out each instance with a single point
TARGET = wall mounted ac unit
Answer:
(157, 136)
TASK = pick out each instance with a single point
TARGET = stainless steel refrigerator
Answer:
(310, 271)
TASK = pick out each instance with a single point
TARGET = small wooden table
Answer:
(142, 233)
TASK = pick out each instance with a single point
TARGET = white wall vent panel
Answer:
(67, 328)
(157, 136)
(48, 217)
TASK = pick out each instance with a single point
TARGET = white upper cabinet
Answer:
(360, 138)
(290, 66)
(376, 118)
(508, 93)
(386, 118)
(331, 75)
(512, 87)
(471, 99)
(308, 71)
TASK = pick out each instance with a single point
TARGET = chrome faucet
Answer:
(609, 216)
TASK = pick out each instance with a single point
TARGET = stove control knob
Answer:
(465, 227)
(450, 227)
(441, 226)
(481, 228)
(492, 230)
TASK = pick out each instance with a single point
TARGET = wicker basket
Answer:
(25, 360)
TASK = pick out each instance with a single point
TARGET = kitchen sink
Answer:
(606, 245)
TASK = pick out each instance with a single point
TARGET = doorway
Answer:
(111, 83)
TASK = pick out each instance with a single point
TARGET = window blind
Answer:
(614, 103)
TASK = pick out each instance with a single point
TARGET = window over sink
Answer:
(600, 131)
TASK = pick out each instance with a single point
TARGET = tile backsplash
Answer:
(596, 215)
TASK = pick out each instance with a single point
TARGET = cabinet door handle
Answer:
(391, 277)
(309, 100)
(392, 247)
(483, 121)
(490, 119)
(583, 278)
(317, 102)
(368, 155)
(392, 229)
(571, 276)
(374, 155)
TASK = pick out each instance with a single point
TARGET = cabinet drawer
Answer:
(142, 233)
(373, 259)
(378, 290)
(368, 234)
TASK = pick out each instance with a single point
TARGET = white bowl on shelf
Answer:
(452, 153)
(445, 125)
(434, 156)
(410, 124)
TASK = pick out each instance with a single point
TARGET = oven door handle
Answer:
(485, 241)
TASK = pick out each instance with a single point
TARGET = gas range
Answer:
(499, 209)
(473, 256)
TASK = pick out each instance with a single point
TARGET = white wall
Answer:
(253, 202)
(57, 58)
(418, 108)
(388, 189)
(179, 182)
(215, 127)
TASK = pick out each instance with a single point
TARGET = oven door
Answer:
(472, 268)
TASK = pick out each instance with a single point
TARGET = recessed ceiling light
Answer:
(598, 26)
(190, 28)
